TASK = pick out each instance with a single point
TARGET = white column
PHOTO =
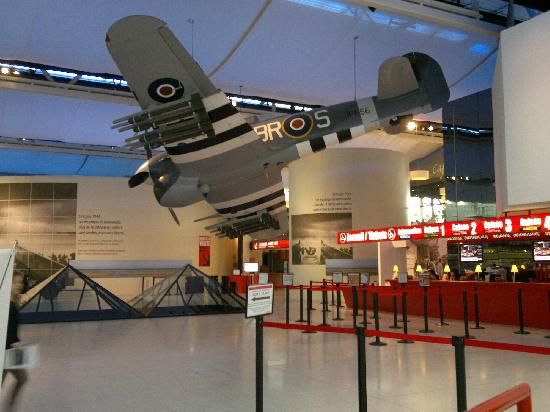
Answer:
(375, 181)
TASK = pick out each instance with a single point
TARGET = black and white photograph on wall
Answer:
(314, 238)
(42, 218)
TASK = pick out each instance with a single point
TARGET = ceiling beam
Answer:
(436, 12)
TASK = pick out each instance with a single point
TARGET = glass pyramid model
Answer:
(187, 292)
(70, 295)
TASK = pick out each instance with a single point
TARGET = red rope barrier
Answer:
(540, 350)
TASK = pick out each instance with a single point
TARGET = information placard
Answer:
(337, 277)
(236, 272)
(402, 277)
(263, 278)
(365, 278)
(259, 300)
(288, 279)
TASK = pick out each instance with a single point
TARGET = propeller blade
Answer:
(138, 179)
(174, 215)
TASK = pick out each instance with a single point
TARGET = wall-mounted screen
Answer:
(541, 251)
(471, 253)
(250, 267)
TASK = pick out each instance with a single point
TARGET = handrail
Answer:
(519, 395)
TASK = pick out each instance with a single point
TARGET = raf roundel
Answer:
(298, 126)
(165, 90)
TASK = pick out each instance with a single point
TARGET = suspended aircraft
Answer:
(210, 151)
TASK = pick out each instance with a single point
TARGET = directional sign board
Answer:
(263, 278)
(259, 300)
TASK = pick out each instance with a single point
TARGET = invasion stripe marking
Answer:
(343, 135)
(248, 205)
(222, 112)
(258, 208)
(317, 144)
(248, 198)
(304, 149)
(331, 139)
(205, 143)
(269, 209)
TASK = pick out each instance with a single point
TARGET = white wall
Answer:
(148, 231)
(521, 103)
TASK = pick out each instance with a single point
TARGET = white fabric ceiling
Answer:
(299, 50)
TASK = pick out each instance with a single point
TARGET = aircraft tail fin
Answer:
(156, 66)
(413, 71)
(396, 77)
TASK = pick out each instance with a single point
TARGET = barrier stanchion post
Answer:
(466, 325)
(521, 330)
(310, 286)
(338, 303)
(361, 369)
(301, 320)
(325, 306)
(355, 308)
(325, 296)
(404, 314)
(441, 317)
(377, 341)
(332, 293)
(460, 368)
(548, 336)
(476, 309)
(308, 312)
(365, 321)
(395, 325)
(426, 330)
(287, 304)
(259, 363)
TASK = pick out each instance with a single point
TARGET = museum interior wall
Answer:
(59, 219)
(340, 189)
(521, 97)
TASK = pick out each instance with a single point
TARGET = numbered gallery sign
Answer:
(259, 300)
(337, 277)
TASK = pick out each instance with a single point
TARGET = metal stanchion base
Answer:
(426, 331)
(547, 337)
(301, 321)
(405, 341)
(309, 331)
(338, 319)
(401, 320)
(395, 327)
(442, 324)
(478, 327)
(520, 332)
(377, 343)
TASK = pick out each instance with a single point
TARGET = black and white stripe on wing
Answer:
(244, 205)
(230, 128)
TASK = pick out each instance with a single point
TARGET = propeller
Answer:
(173, 213)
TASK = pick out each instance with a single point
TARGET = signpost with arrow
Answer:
(259, 302)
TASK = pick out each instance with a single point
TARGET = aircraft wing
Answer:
(212, 148)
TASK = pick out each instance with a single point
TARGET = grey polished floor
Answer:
(207, 364)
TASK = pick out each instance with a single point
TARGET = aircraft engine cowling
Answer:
(171, 189)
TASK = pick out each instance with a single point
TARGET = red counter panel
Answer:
(498, 302)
